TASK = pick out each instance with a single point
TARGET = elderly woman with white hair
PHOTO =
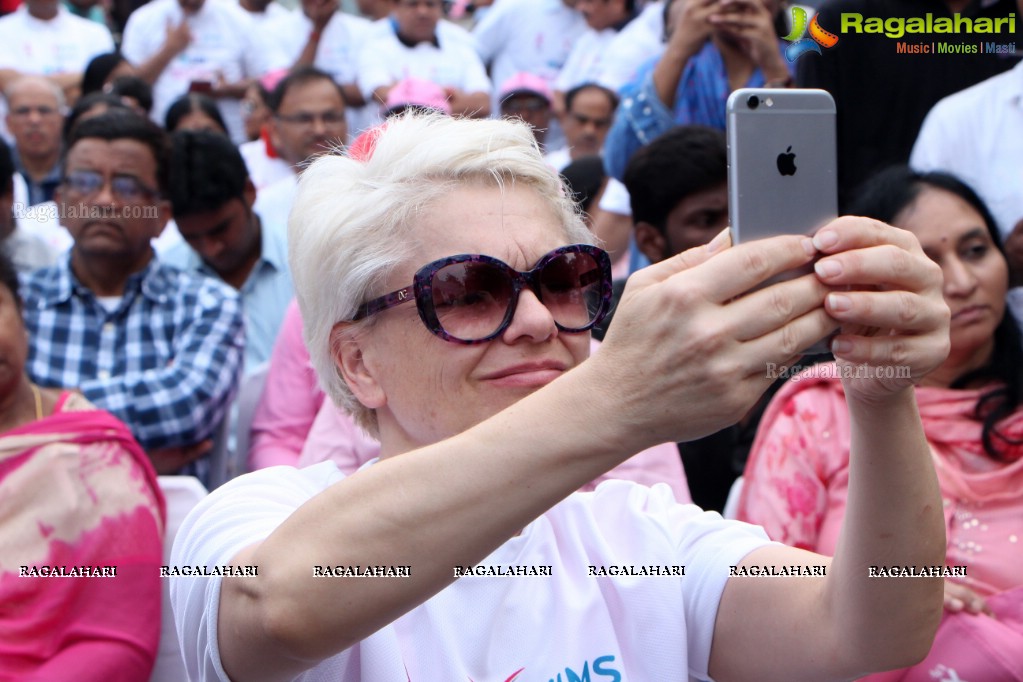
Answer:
(448, 288)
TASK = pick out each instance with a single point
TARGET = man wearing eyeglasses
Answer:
(35, 108)
(158, 347)
(308, 118)
(527, 96)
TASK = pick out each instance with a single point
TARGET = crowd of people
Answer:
(475, 257)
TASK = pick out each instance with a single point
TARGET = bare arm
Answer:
(177, 39)
(849, 624)
(432, 509)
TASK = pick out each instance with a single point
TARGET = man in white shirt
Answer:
(417, 49)
(308, 119)
(528, 36)
(605, 19)
(198, 45)
(41, 37)
(321, 36)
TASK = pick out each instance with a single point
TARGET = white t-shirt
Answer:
(384, 60)
(224, 42)
(533, 36)
(274, 202)
(977, 135)
(263, 170)
(641, 40)
(625, 628)
(337, 53)
(584, 62)
(274, 13)
(64, 44)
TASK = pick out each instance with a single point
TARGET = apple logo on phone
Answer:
(787, 162)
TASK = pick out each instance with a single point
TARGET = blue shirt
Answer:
(265, 295)
(641, 117)
(166, 362)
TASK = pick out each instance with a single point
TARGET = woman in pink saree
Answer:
(81, 521)
(796, 479)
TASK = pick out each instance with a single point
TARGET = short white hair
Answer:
(354, 221)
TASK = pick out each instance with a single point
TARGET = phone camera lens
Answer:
(753, 102)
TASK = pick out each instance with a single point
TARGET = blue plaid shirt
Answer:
(166, 362)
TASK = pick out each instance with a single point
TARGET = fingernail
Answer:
(840, 346)
(825, 239)
(719, 241)
(838, 302)
(828, 268)
(808, 247)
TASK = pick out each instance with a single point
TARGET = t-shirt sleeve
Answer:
(649, 523)
(239, 514)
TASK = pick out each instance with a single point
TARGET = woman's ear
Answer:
(346, 346)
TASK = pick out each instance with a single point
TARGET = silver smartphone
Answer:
(781, 165)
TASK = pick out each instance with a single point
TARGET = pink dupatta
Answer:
(77, 491)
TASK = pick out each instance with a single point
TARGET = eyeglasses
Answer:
(127, 188)
(532, 105)
(471, 298)
(329, 118)
(26, 111)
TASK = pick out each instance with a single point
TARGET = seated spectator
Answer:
(415, 48)
(194, 111)
(75, 491)
(263, 162)
(476, 404)
(211, 197)
(308, 119)
(604, 19)
(528, 97)
(799, 477)
(713, 48)
(589, 111)
(159, 348)
(35, 112)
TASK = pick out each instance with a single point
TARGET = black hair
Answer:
(9, 273)
(886, 195)
(125, 124)
(206, 171)
(84, 104)
(191, 102)
(685, 160)
(6, 170)
(584, 179)
(136, 88)
(300, 76)
(571, 94)
(98, 70)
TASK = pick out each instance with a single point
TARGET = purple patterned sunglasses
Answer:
(471, 298)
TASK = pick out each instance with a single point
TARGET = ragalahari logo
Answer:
(816, 39)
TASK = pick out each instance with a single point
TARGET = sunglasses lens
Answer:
(471, 299)
(571, 287)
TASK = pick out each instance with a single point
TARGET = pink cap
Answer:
(525, 83)
(417, 92)
(270, 80)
